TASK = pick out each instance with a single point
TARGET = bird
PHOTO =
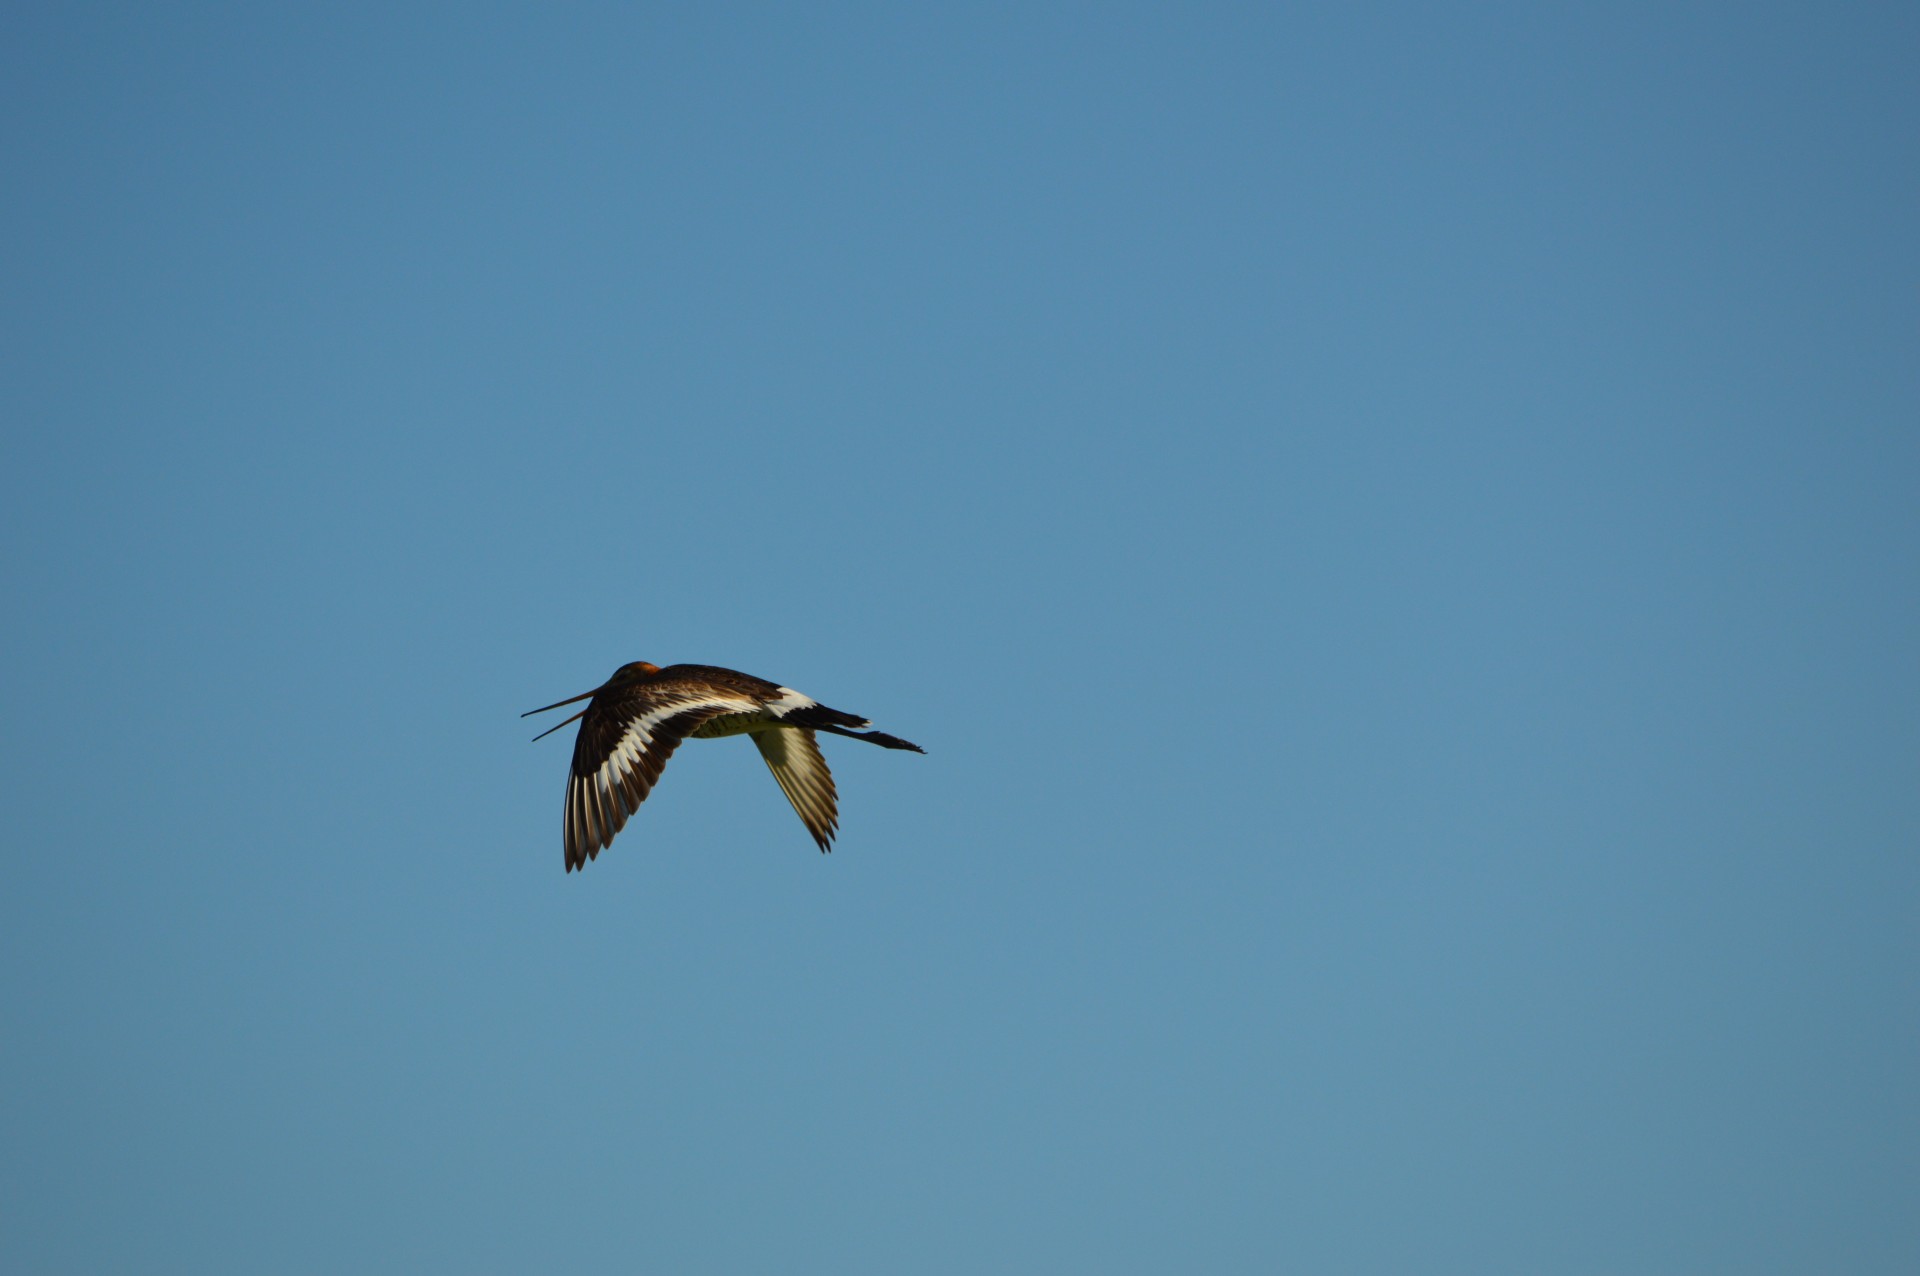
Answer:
(636, 719)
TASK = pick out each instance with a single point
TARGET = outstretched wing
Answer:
(622, 746)
(793, 756)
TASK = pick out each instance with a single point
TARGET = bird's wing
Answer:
(793, 756)
(620, 751)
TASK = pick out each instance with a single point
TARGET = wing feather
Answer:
(793, 755)
(622, 747)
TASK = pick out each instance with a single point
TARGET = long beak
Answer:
(556, 726)
(569, 700)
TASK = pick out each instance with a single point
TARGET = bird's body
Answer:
(634, 722)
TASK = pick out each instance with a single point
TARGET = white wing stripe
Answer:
(636, 739)
(788, 701)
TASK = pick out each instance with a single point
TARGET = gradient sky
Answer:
(1398, 526)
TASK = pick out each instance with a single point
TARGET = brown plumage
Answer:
(637, 718)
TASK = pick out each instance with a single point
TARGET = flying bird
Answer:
(638, 717)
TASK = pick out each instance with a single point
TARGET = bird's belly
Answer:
(731, 724)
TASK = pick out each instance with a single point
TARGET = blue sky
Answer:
(1395, 524)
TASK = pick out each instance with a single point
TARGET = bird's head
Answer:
(629, 673)
(621, 677)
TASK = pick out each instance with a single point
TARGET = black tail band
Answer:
(880, 738)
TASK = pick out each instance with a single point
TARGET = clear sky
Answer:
(1397, 525)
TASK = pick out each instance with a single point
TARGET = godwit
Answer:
(638, 717)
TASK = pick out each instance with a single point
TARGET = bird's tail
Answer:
(834, 721)
(880, 738)
(822, 718)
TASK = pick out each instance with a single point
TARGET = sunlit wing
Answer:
(620, 753)
(794, 757)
